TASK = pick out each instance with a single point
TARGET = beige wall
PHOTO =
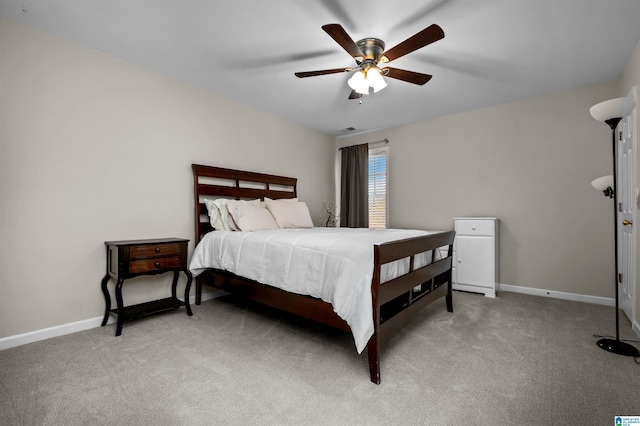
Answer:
(95, 149)
(631, 78)
(530, 163)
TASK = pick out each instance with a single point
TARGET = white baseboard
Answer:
(47, 333)
(558, 295)
(72, 327)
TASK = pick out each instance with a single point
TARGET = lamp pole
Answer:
(613, 123)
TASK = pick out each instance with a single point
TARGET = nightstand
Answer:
(129, 259)
(476, 255)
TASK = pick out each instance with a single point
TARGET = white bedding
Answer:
(333, 264)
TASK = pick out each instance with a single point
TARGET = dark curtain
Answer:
(354, 187)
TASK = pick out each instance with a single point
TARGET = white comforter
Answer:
(333, 264)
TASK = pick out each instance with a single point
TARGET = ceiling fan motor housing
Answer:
(372, 49)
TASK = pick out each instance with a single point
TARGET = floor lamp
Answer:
(611, 112)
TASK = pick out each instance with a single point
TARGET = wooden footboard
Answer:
(393, 301)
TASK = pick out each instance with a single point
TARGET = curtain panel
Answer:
(354, 187)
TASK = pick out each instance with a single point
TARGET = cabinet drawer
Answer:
(138, 252)
(475, 227)
(149, 265)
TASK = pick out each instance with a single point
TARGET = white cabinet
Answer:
(475, 255)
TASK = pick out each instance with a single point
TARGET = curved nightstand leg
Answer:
(186, 292)
(107, 300)
(120, 306)
(174, 285)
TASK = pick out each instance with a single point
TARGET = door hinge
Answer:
(620, 278)
(620, 207)
(620, 135)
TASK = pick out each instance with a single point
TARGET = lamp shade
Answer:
(359, 83)
(603, 182)
(613, 108)
(375, 79)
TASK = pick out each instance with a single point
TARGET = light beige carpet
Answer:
(513, 360)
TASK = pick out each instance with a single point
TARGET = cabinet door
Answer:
(475, 260)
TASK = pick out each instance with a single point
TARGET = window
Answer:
(378, 178)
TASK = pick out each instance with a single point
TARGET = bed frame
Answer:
(393, 301)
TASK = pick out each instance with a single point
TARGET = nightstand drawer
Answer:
(475, 227)
(145, 251)
(158, 264)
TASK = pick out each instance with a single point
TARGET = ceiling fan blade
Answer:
(321, 72)
(415, 42)
(408, 76)
(343, 39)
(354, 95)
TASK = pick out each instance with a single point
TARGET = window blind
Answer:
(378, 187)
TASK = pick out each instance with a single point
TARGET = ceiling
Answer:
(494, 51)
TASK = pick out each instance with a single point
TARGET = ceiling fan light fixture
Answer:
(358, 82)
(375, 80)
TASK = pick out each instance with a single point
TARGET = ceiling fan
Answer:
(371, 59)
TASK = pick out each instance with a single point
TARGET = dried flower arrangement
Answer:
(328, 217)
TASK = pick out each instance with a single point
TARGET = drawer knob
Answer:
(157, 249)
(157, 264)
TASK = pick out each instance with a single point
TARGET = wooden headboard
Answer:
(216, 182)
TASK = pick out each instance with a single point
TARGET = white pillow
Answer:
(250, 216)
(214, 214)
(289, 213)
(219, 215)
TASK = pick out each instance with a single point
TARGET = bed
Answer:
(407, 271)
